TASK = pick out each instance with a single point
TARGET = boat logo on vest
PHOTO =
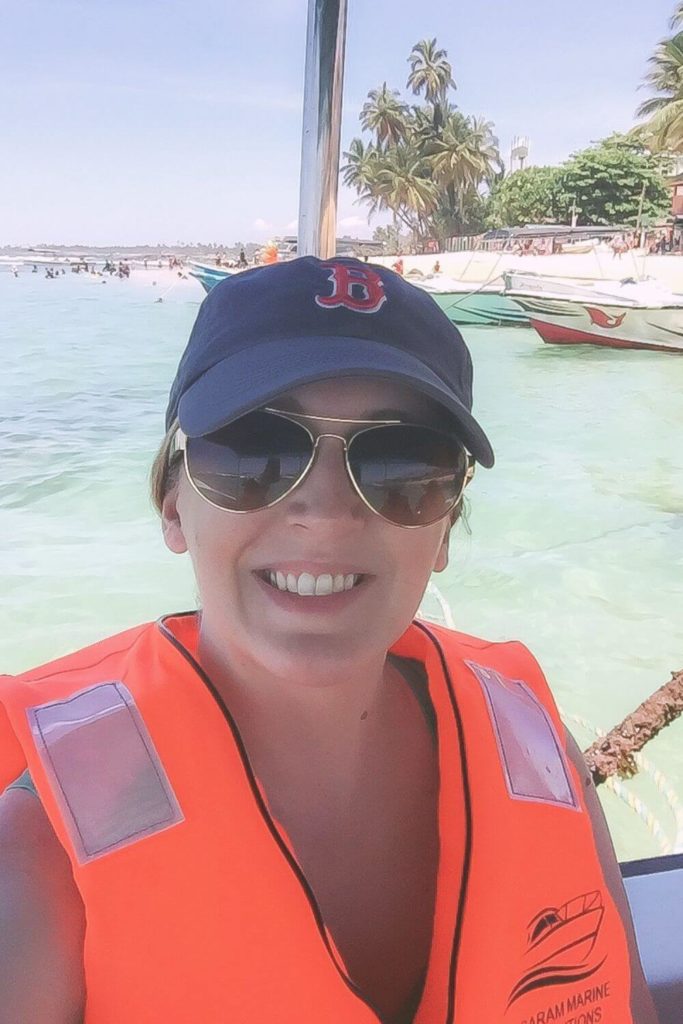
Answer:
(359, 289)
(602, 319)
(560, 950)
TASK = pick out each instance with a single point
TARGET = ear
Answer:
(441, 560)
(171, 526)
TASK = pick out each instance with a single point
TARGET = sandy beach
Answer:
(478, 267)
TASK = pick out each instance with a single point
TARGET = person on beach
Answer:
(301, 802)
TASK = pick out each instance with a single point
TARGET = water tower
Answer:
(519, 151)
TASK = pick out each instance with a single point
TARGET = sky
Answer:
(163, 121)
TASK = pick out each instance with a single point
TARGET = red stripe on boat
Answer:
(555, 334)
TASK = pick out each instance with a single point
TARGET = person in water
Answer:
(299, 802)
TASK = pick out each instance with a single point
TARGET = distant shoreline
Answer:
(476, 267)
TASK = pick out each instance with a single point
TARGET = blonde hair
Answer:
(165, 469)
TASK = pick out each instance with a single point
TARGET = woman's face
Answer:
(321, 528)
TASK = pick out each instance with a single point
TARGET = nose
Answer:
(327, 492)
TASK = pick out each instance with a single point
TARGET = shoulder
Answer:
(448, 636)
(510, 657)
(42, 923)
(86, 657)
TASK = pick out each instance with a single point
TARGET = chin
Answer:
(305, 654)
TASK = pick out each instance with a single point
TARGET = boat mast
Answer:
(324, 79)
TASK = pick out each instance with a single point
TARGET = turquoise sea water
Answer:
(576, 543)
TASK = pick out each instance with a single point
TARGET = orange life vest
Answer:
(196, 907)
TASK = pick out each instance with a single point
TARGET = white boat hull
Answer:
(570, 322)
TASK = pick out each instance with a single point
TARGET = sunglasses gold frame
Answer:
(180, 439)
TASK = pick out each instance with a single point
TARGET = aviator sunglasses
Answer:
(409, 474)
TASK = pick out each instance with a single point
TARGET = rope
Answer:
(443, 604)
(475, 291)
(634, 802)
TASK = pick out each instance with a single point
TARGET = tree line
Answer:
(439, 171)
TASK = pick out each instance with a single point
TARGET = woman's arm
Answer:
(642, 1006)
(42, 924)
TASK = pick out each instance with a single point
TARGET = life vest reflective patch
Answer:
(103, 768)
(529, 747)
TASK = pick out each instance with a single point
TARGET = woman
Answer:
(298, 803)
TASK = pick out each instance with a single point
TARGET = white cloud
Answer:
(262, 225)
(292, 226)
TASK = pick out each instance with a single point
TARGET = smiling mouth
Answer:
(305, 584)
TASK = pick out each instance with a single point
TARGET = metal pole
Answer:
(325, 39)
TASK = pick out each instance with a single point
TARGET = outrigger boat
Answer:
(472, 305)
(614, 314)
(209, 275)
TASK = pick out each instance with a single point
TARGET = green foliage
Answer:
(662, 129)
(391, 238)
(526, 197)
(609, 181)
(439, 172)
(603, 184)
(427, 163)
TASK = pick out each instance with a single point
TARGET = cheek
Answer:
(418, 556)
(219, 545)
(207, 535)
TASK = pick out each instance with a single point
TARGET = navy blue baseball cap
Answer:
(266, 330)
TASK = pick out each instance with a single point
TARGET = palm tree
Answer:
(487, 145)
(677, 17)
(360, 173)
(664, 128)
(427, 163)
(384, 114)
(463, 157)
(430, 71)
(404, 186)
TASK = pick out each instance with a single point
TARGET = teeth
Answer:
(307, 585)
(323, 584)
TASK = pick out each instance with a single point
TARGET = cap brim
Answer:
(253, 376)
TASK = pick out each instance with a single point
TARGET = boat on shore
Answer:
(627, 314)
(471, 305)
(207, 274)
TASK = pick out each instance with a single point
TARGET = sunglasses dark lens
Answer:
(411, 475)
(250, 463)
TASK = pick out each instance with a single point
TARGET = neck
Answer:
(320, 709)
